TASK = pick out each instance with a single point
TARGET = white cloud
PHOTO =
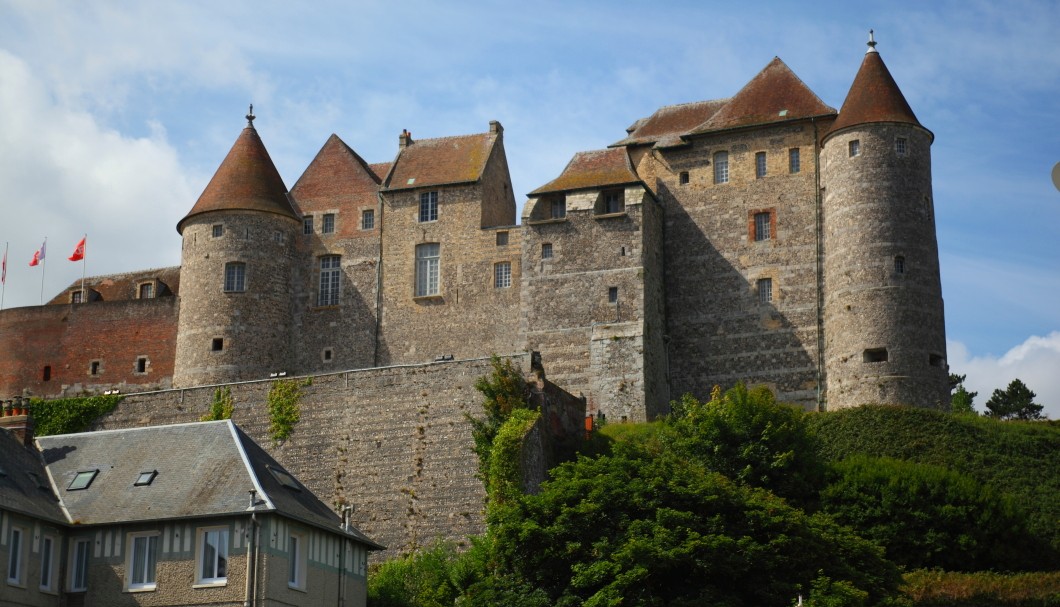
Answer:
(1036, 362)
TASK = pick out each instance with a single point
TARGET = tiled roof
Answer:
(120, 287)
(246, 180)
(874, 97)
(595, 169)
(776, 94)
(204, 469)
(446, 160)
(337, 172)
(19, 491)
(380, 169)
(665, 127)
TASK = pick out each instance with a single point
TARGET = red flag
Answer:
(79, 252)
(38, 255)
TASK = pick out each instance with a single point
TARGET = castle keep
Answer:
(764, 238)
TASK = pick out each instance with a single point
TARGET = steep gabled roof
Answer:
(776, 94)
(381, 169)
(665, 127)
(246, 180)
(442, 161)
(336, 170)
(24, 486)
(874, 97)
(593, 169)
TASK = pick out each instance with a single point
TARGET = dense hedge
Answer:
(70, 415)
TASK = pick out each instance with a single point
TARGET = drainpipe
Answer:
(252, 555)
(820, 253)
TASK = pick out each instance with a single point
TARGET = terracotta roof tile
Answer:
(446, 160)
(874, 97)
(381, 169)
(246, 180)
(124, 286)
(776, 94)
(594, 169)
(336, 171)
(665, 127)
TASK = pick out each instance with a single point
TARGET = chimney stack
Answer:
(404, 139)
(496, 128)
(15, 418)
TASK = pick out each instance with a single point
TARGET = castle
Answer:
(763, 238)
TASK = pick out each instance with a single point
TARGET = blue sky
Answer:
(114, 115)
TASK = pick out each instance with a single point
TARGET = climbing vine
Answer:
(284, 412)
(222, 406)
(70, 415)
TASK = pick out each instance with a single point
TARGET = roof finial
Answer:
(251, 117)
(872, 44)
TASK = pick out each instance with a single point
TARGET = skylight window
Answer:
(83, 480)
(145, 478)
(285, 479)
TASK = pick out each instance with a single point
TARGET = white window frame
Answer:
(428, 269)
(79, 564)
(428, 207)
(721, 167)
(502, 275)
(145, 290)
(327, 223)
(16, 559)
(368, 219)
(150, 562)
(235, 278)
(760, 165)
(330, 279)
(854, 147)
(763, 226)
(794, 162)
(764, 290)
(202, 537)
(297, 561)
(48, 546)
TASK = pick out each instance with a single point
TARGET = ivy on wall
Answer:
(222, 406)
(70, 415)
(283, 408)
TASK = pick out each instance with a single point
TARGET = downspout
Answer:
(378, 282)
(820, 253)
(252, 555)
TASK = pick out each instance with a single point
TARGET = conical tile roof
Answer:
(874, 97)
(776, 94)
(247, 180)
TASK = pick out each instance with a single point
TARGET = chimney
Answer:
(496, 128)
(404, 139)
(16, 420)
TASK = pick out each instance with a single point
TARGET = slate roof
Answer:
(874, 97)
(593, 169)
(776, 94)
(442, 161)
(123, 286)
(665, 127)
(204, 469)
(246, 180)
(20, 492)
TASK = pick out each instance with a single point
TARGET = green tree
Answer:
(1015, 402)
(504, 390)
(960, 398)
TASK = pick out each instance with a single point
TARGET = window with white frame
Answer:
(47, 563)
(502, 275)
(428, 206)
(721, 167)
(327, 223)
(79, 565)
(15, 550)
(764, 286)
(427, 269)
(307, 224)
(760, 165)
(854, 148)
(235, 277)
(763, 226)
(900, 146)
(296, 561)
(546, 250)
(558, 207)
(142, 560)
(794, 165)
(368, 219)
(212, 556)
(330, 272)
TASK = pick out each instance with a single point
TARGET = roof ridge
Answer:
(421, 141)
(131, 273)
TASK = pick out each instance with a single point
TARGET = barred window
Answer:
(235, 277)
(721, 167)
(546, 250)
(330, 273)
(427, 269)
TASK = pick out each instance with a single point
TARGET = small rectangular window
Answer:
(935, 360)
(760, 165)
(14, 556)
(502, 239)
(218, 230)
(683, 177)
(793, 161)
(899, 264)
(546, 250)
(558, 208)
(279, 237)
(145, 478)
(721, 167)
(875, 355)
(79, 565)
(307, 224)
(327, 224)
(217, 344)
(82, 480)
(143, 557)
(428, 206)
(613, 202)
(764, 287)
(93, 368)
(47, 562)
(612, 295)
(141, 364)
(147, 291)
(900, 146)
(77, 297)
(46, 375)
(368, 219)
(763, 226)
(502, 275)
(235, 277)
(854, 148)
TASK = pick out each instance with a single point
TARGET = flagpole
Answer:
(3, 283)
(84, 264)
(44, 267)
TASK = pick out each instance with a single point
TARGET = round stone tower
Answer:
(885, 337)
(235, 273)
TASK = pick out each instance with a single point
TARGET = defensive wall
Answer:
(394, 442)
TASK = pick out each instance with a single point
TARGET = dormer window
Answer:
(558, 207)
(611, 202)
(146, 291)
(77, 297)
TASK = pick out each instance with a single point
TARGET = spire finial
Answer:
(872, 44)
(250, 117)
